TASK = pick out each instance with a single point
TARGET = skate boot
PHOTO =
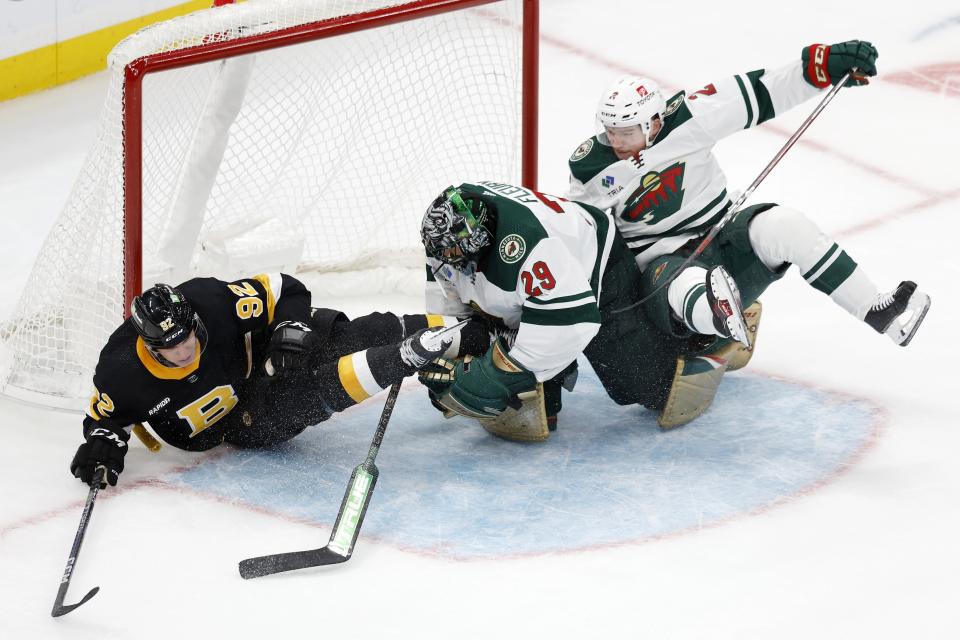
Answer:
(724, 299)
(900, 313)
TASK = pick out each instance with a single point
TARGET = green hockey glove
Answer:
(824, 65)
(484, 387)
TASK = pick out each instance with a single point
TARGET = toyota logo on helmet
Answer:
(630, 101)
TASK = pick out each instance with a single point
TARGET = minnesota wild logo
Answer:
(673, 105)
(512, 248)
(659, 196)
(582, 151)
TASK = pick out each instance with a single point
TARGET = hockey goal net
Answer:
(272, 135)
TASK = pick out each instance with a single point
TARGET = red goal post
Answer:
(269, 134)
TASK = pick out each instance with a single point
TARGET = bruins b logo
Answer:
(209, 408)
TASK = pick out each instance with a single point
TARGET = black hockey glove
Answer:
(476, 336)
(102, 448)
(824, 65)
(290, 347)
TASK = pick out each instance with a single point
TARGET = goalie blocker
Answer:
(505, 398)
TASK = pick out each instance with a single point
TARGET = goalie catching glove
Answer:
(479, 387)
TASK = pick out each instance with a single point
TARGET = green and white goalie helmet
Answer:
(457, 227)
(631, 101)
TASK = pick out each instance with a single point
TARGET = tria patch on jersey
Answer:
(512, 248)
(582, 151)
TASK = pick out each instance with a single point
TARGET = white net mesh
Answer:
(321, 155)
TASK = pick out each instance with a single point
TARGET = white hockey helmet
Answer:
(630, 101)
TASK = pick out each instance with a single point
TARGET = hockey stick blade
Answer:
(280, 562)
(62, 609)
(342, 539)
(353, 508)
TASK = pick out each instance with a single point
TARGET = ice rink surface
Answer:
(817, 499)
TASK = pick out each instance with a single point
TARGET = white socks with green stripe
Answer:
(708, 302)
(688, 300)
(782, 235)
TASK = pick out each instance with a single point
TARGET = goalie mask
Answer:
(628, 104)
(456, 228)
(164, 318)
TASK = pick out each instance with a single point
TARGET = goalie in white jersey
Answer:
(652, 165)
(548, 271)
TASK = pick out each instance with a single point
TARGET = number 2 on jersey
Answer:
(551, 201)
(708, 90)
(545, 279)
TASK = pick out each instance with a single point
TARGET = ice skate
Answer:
(899, 314)
(724, 299)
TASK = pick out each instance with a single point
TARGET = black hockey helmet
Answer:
(163, 317)
(457, 227)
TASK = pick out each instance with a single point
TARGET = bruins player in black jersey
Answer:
(246, 362)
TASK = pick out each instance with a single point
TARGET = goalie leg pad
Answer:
(526, 424)
(694, 386)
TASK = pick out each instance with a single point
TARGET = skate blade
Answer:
(725, 290)
(902, 331)
(738, 331)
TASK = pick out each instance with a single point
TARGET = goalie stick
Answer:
(347, 527)
(59, 608)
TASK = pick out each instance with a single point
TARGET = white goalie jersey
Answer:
(541, 275)
(675, 189)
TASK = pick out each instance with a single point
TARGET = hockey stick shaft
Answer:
(735, 208)
(59, 608)
(382, 425)
(346, 529)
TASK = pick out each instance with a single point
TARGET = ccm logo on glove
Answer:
(107, 435)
